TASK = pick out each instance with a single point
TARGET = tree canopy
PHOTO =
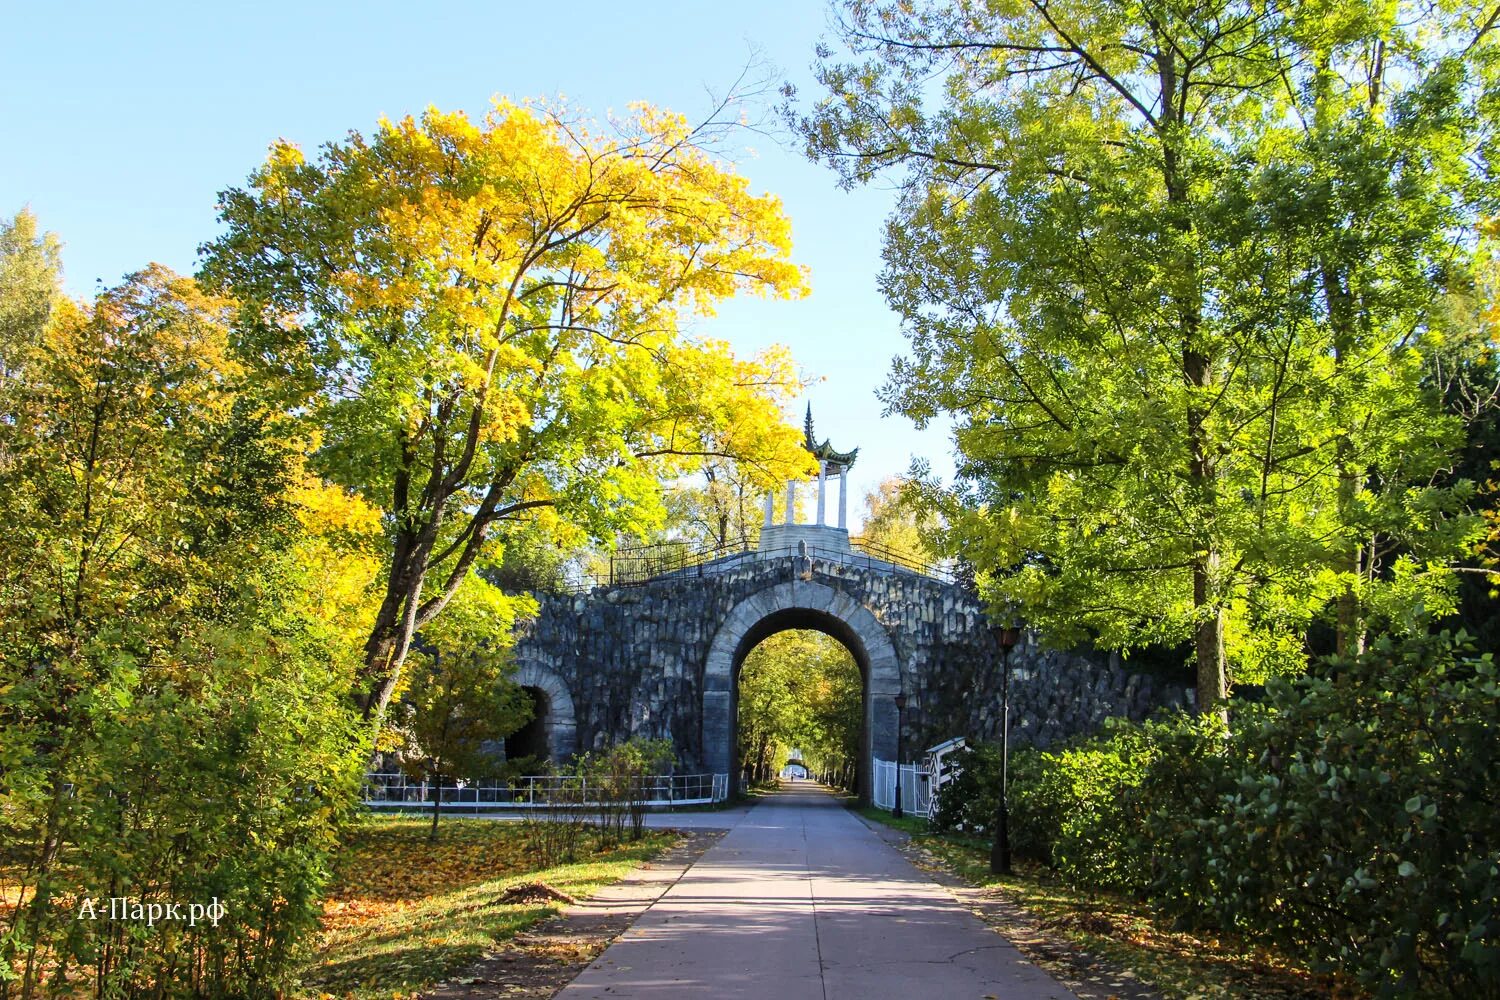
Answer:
(481, 320)
(30, 275)
(1176, 271)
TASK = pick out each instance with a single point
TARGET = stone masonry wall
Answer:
(633, 658)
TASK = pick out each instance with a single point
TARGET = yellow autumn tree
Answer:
(482, 319)
(895, 522)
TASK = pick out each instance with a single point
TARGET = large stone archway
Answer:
(659, 657)
(807, 605)
(561, 724)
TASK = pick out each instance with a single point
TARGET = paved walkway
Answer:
(802, 901)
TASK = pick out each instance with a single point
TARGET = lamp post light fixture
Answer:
(1006, 636)
(900, 701)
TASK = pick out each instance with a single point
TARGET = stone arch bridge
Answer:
(660, 656)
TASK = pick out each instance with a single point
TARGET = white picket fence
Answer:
(916, 787)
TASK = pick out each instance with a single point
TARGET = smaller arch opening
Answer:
(531, 739)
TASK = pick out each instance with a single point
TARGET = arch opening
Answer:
(552, 733)
(791, 606)
(531, 739)
(800, 710)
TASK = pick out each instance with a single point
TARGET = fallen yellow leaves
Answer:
(393, 863)
(404, 913)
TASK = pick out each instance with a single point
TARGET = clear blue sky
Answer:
(121, 122)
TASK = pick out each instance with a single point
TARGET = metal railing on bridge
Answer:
(629, 567)
(538, 791)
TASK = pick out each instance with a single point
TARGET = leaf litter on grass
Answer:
(403, 914)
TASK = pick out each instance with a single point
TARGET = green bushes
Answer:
(217, 774)
(1078, 810)
(609, 786)
(1091, 801)
(1361, 828)
(967, 802)
(175, 660)
(617, 780)
(1349, 820)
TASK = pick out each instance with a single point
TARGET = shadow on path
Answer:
(802, 901)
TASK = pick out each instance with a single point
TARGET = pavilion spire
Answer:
(823, 451)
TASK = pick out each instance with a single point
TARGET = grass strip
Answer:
(404, 914)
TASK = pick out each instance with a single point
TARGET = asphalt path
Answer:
(802, 901)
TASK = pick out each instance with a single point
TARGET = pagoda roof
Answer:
(823, 451)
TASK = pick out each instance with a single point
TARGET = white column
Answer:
(822, 491)
(770, 504)
(844, 499)
(791, 501)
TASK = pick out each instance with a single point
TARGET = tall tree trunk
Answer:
(1208, 608)
(401, 644)
(1343, 320)
(395, 624)
(437, 806)
(1351, 561)
(1208, 642)
(1197, 369)
(40, 909)
(383, 648)
(1350, 624)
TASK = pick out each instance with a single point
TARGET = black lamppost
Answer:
(900, 701)
(1006, 636)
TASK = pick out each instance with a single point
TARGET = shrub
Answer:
(226, 782)
(616, 780)
(1349, 820)
(554, 831)
(1084, 809)
(967, 802)
(1361, 828)
(1076, 808)
(1078, 794)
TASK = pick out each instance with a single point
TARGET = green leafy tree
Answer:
(481, 319)
(1172, 270)
(460, 702)
(174, 724)
(723, 506)
(30, 274)
(800, 690)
